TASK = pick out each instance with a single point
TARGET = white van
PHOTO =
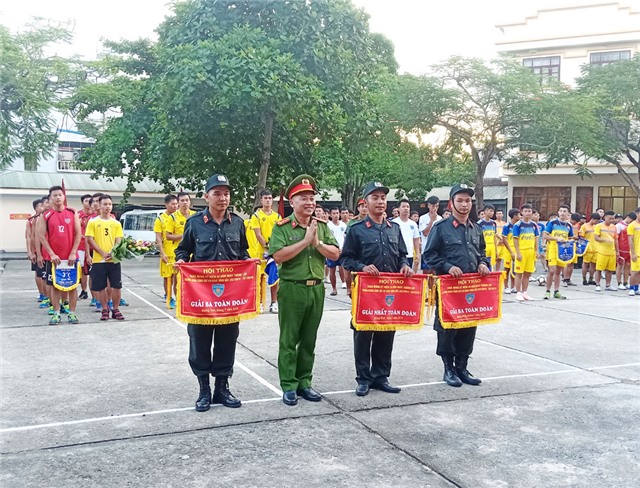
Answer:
(139, 224)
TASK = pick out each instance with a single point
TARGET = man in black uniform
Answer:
(455, 246)
(213, 234)
(374, 245)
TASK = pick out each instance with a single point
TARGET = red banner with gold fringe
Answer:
(389, 301)
(470, 300)
(218, 292)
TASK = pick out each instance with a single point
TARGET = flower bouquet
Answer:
(130, 248)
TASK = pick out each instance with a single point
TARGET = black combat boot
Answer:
(203, 403)
(450, 377)
(463, 373)
(222, 395)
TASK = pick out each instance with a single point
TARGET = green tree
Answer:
(613, 92)
(33, 83)
(597, 121)
(481, 108)
(241, 87)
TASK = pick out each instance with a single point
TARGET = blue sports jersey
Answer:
(540, 242)
(526, 232)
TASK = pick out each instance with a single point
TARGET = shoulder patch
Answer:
(357, 222)
(281, 222)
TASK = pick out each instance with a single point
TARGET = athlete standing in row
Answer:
(557, 231)
(59, 234)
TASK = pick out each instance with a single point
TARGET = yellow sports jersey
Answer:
(104, 233)
(489, 231)
(633, 231)
(175, 225)
(526, 233)
(264, 222)
(160, 225)
(557, 228)
(608, 232)
(586, 231)
(499, 226)
(254, 246)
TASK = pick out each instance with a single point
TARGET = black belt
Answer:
(305, 282)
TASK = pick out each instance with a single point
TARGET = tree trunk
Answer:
(479, 189)
(481, 167)
(625, 175)
(268, 118)
(348, 194)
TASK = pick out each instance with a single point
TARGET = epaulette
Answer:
(439, 222)
(281, 222)
(313, 217)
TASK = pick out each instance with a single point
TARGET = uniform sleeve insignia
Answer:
(281, 222)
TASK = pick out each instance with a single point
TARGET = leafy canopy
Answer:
(34, 83)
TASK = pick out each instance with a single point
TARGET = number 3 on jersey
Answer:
(106, 231)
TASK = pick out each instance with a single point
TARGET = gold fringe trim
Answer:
(474, 323)
(431, 298)
(217, 320)
(355, 306)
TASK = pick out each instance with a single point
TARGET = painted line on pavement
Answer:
(251, 373)
(123, 416)
(614, 366)
(23, 290)
(271, 399)
(527, 354)
(431, 383)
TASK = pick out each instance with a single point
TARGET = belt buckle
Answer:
(311, 282)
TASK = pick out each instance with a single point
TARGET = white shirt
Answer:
(409, 231)
(423, 223)
(338, 231)
(620, 226)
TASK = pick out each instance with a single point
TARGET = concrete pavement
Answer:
(111, 404)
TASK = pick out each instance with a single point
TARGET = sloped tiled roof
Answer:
(37, 180)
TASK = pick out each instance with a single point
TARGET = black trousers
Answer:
(372, 351)
(454, 342)
(201, 359)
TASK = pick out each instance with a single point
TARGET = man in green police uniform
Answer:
(300, 244)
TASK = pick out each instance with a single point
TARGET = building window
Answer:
(603, 59)
(544, 199)
(584, 200)
(69, 154)
(546, 68)
(620, 199)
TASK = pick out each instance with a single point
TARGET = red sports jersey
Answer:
(623, 237)
(60, 231)
(31, 223)
(84, 219)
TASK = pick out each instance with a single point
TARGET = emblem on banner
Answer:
(565, 251)
(470, 297)
(217, 290)
(581, 246)
(389, 300)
